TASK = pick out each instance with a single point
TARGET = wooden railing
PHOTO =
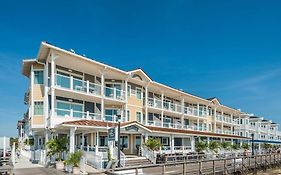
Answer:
(231, 165)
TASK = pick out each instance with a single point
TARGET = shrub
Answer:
(56, 147)
(74, 158)
(153, 144)
(201, 146)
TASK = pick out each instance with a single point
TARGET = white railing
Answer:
(172, 106)
(148, 153)
(83, 115)
(182, 148)
(94, 159)
(114, 93)
(78, 85)
(154, 123)
(123, 157)
(153, 102)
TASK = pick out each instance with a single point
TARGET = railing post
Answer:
(114, 93)
(234, 164)
(163, 169)
(71, 113)
(224, 166)
(87, 115)
(71, 82)
(136, 171)
(200, 167)
(184, 167)
(88, 87)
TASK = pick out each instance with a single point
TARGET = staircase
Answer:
(137, 161)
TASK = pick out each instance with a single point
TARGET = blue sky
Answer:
(228, 49)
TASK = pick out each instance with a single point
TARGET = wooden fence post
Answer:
(214, 168)
(184, 168)
(200, 167)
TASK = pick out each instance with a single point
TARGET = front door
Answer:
(137, 144)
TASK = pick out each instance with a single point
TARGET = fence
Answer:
(231, 165)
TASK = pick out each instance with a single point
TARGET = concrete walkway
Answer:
(23, 162)
(24, 167)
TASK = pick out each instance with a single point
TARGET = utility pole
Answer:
(118, 145)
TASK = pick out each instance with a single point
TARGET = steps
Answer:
(137, 161)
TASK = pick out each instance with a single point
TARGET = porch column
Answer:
(192, 139)
(172, 142)
(208, 140)
(72, 140)
(83, 140)
(97, 141)
(92, 139)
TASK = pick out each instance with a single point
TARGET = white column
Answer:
(222, 121)
(126, 99)
(53, 66)
(162, 112)
(172, 143)
(192, 139)
(198, 124)
(146, 110)
(72, 140)
(198, 109)
(46, 103)
(83, 139)
(102, 94)
(182, 110)
(97, 141)
(215, 118)
(31, 95)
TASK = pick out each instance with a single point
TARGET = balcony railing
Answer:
(84, 115)
(78, 85)
(172, 107)
(195, 112)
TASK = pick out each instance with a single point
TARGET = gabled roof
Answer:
(215, 100)
(141, 73)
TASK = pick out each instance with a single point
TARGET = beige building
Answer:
(81, 98)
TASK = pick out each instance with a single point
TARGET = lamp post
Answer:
(118, 145)
(253, 153)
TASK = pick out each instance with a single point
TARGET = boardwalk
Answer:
(238, 165)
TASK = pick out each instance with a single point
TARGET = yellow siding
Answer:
(133, 100)
(38, 92)
(38, 120)
(133, 112)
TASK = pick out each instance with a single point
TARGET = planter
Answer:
(60, 165)
(76, 170)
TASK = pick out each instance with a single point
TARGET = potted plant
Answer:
(200, 146)
(153, 144)
(214, 147)
(74, 161)
(55, 148)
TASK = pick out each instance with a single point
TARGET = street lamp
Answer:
(253, 153)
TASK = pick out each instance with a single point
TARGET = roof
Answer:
(93, 123)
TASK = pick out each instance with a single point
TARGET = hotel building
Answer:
(74, 96)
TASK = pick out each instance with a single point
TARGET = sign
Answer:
(132, 128)
(111, 134)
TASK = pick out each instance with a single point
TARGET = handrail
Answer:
(148, 153)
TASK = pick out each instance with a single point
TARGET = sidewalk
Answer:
(23, 162)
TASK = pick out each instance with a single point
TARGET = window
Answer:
(103, 141)
(129, 90)
(138, 93)
(38, 77)
(63, 109)
(128, 115)
(124, 143)
(38, 108)
(139, 117)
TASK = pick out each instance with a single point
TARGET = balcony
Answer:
(87, 87)
(156, 103)
(195, 112)
(65, 113)
(158, 123)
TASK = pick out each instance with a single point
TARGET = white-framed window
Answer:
(38, 108)
(128, 115)
(138, 93)
(138, 116)
(129, 90)
(38, 77)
